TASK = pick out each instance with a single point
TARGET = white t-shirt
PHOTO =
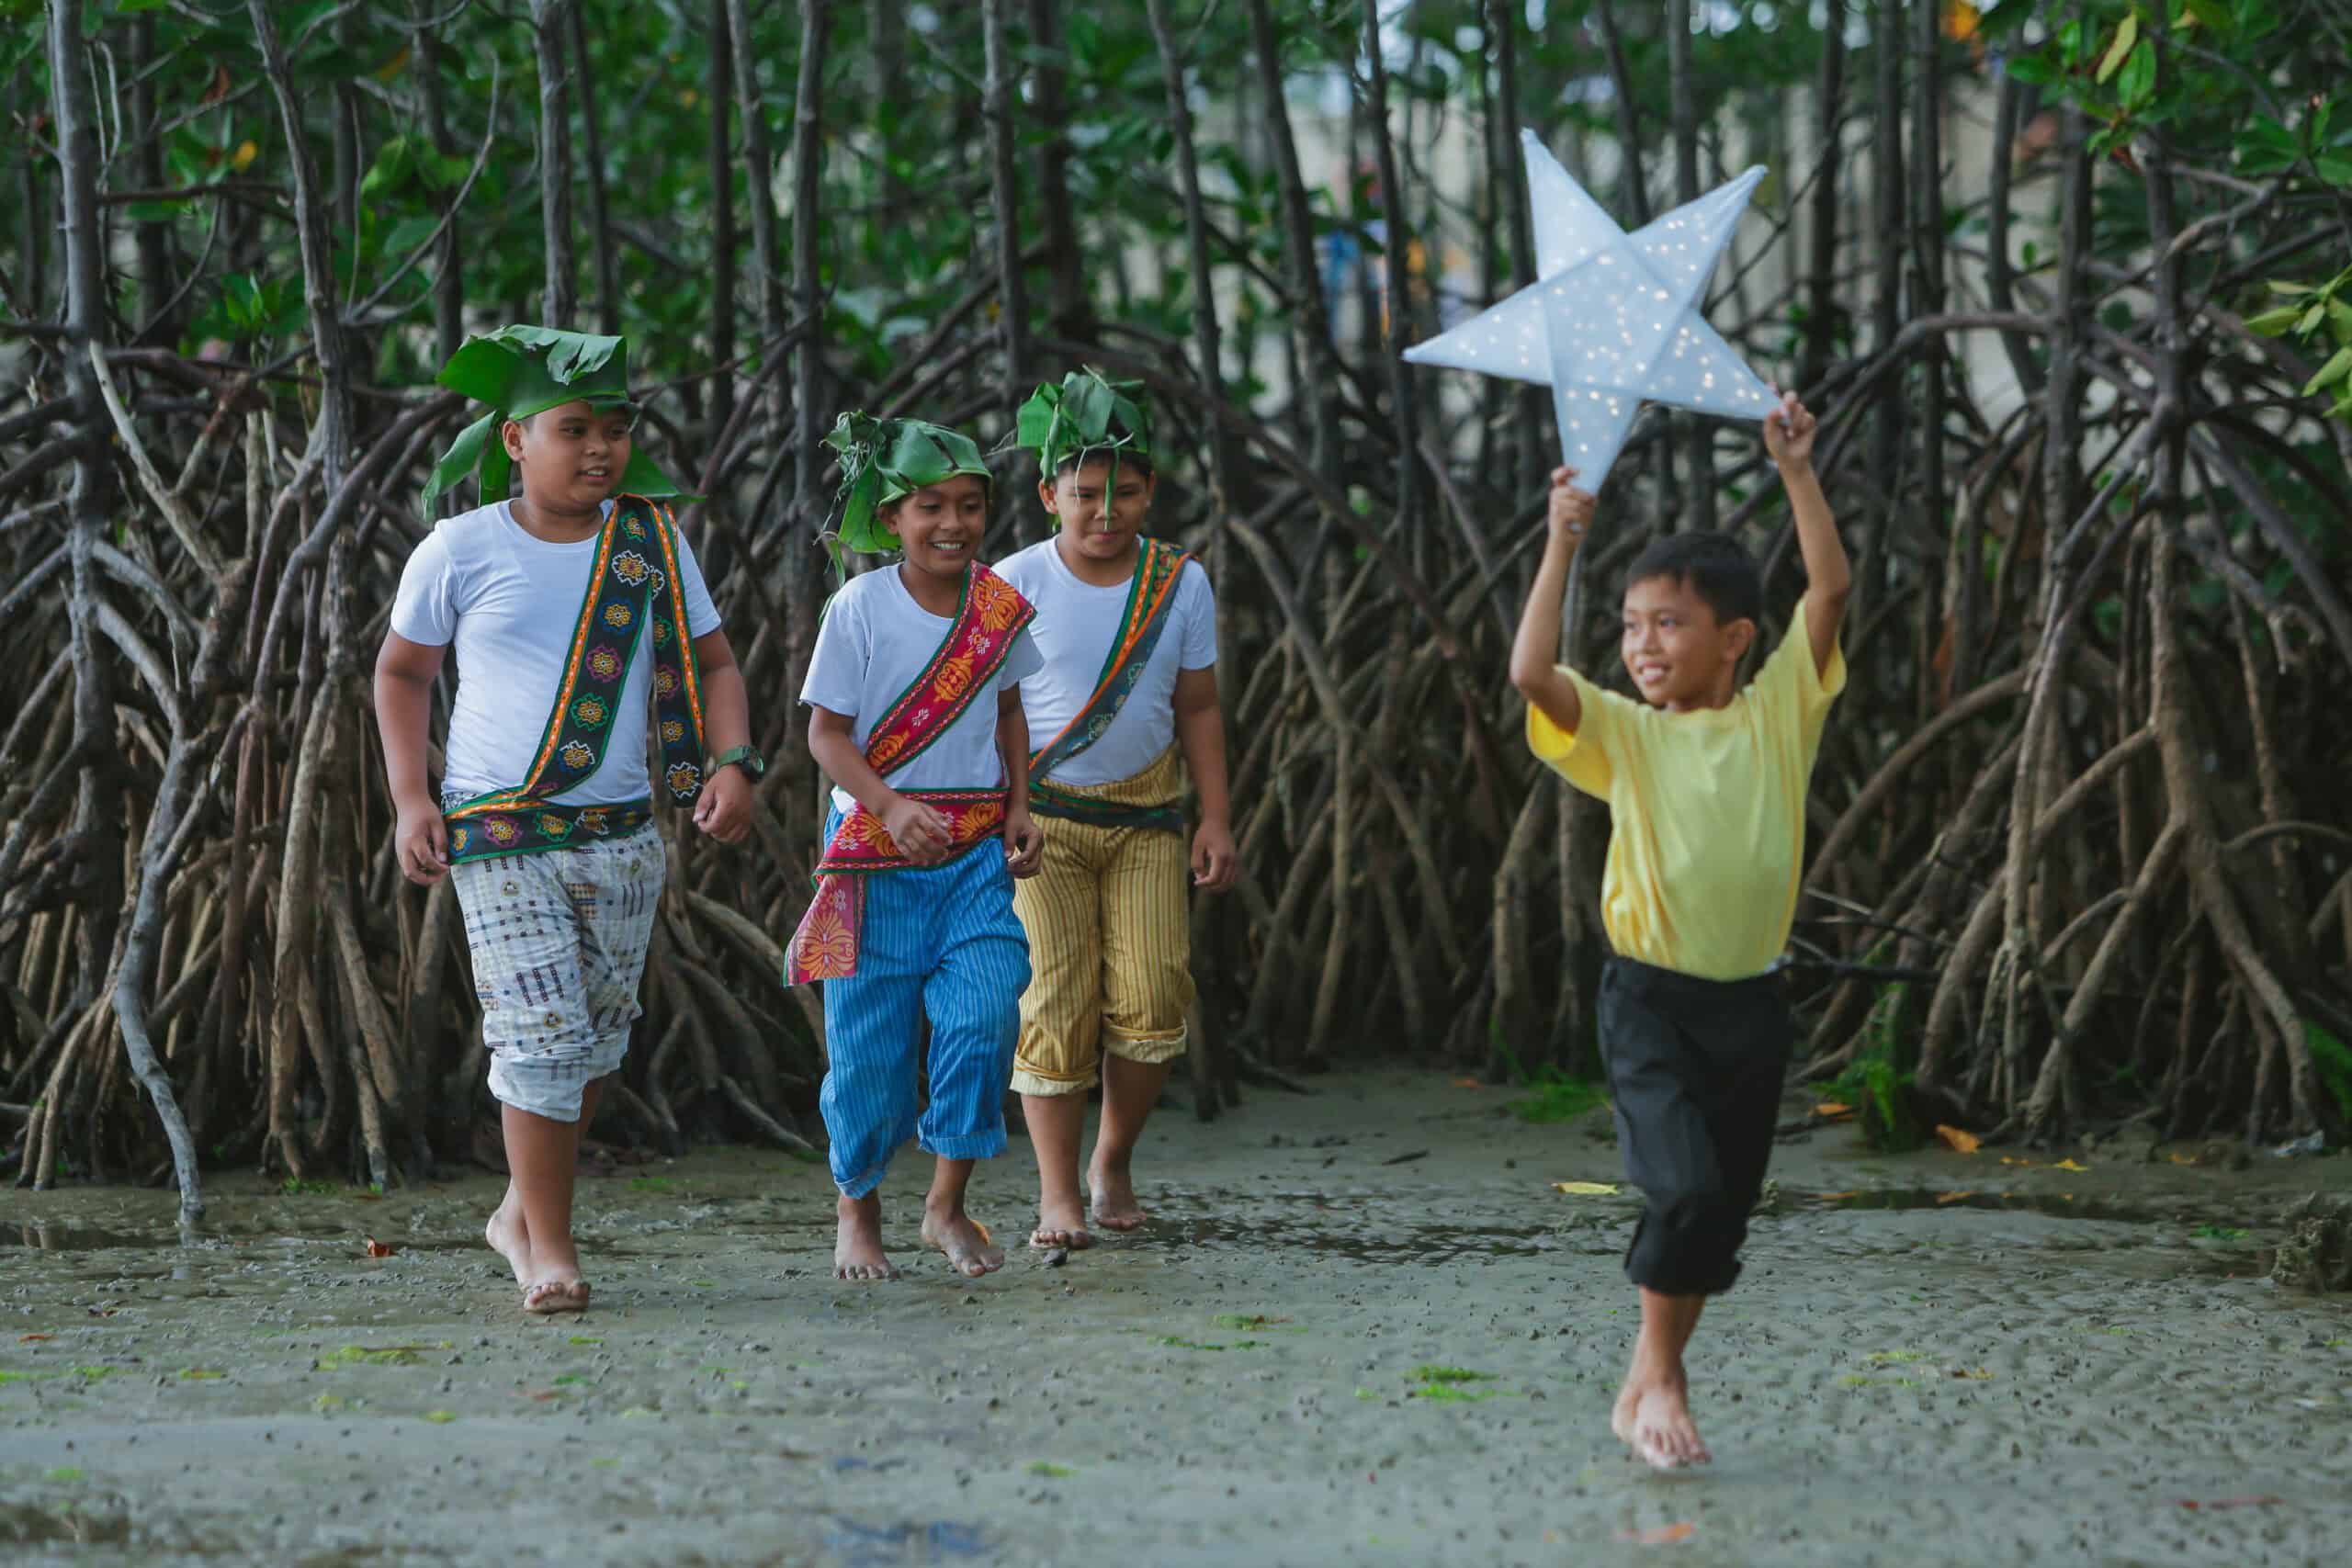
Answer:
(1075, 625)
(509, 603)
(874, 641)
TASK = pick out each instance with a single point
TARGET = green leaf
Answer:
(2004, 17)
(2125, 37)
(2338, 367)
(2033, 69)
(2137, 81)
(2336, 171)
(2280, 286)
(407, 235)
(2210, 15)
(2273, 321)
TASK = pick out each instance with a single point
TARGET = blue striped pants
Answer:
(941, 941)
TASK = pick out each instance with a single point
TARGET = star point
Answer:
(1612, 319)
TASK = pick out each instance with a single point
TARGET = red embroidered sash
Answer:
(992, 613)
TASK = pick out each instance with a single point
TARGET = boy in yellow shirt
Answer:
(1705, 782)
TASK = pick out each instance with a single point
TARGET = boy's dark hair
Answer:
(1716, 566)
(1135, 461)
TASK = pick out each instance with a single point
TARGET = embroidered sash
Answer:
(991, 614)
(627, 593)
(1151, 594)
(1147, 800)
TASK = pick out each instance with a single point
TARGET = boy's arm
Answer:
(1788, 437)
(405, 671)
(1024, 842)
(1535, 652)
(918, 831)
(1200, 730)
(726, 806)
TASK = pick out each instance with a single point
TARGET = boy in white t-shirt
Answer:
(572, 607)
(1127, 626)
(914, 718)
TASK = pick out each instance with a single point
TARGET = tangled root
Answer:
(2316, 1254)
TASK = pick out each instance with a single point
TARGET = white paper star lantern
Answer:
(1612, 319)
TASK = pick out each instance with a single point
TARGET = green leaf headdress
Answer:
(520, 371)
(1085, 415)
(885, 460)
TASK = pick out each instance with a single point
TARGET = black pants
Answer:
(1695, 1070)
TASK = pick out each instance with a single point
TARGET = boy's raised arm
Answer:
(1788, 437)
(1535, 652)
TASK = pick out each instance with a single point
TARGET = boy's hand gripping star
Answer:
(1571, 509)
(1789, 431)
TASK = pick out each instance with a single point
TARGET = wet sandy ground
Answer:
(2045, 1366)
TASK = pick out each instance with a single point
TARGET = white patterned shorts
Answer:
(558, 940)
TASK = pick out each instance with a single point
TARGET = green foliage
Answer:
(1877, 1082)
(1556, 1097)
(2320, 317)
(2332, 1059)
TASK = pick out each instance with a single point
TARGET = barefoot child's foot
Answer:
(1654, 1420)
(1114, 1199)
(542, 1297)
(1061, 1223)
(857, 1244)
(964, 1239)
(510, 1237)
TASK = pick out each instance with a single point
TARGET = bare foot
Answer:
(1061, 1223)
(964, 1239)
(857, 1244)
(545, 1296)
(1653, 1418)
(510, 1237)
(1114, 1198)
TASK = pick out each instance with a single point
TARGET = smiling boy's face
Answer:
(1679, 653)
(572, 456)
(940, 525)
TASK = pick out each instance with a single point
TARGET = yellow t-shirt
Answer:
(1706, 836)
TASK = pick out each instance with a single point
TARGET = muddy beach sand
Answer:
(2046, 1367)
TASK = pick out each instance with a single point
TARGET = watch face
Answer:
(755, 765)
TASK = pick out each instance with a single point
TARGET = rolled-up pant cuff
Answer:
(1151, 1050)
(966, 1145)
(1027, 1082)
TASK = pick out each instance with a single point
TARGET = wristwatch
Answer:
(748, 758)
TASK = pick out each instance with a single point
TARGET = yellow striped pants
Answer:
(1110, 949)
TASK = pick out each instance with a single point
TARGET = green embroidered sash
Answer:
(1151, 594)
(628, 594)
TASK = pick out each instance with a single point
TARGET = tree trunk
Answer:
(1318, 391)
(1004, 188)
(720, 86)
(1698, 437)
(1823, 312)
(599, 218)
(560, 300)
(1207, 347)
(448, 265)
(1068, 313)
(807, 127)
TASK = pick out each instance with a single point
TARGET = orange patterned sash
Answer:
(992, 613)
